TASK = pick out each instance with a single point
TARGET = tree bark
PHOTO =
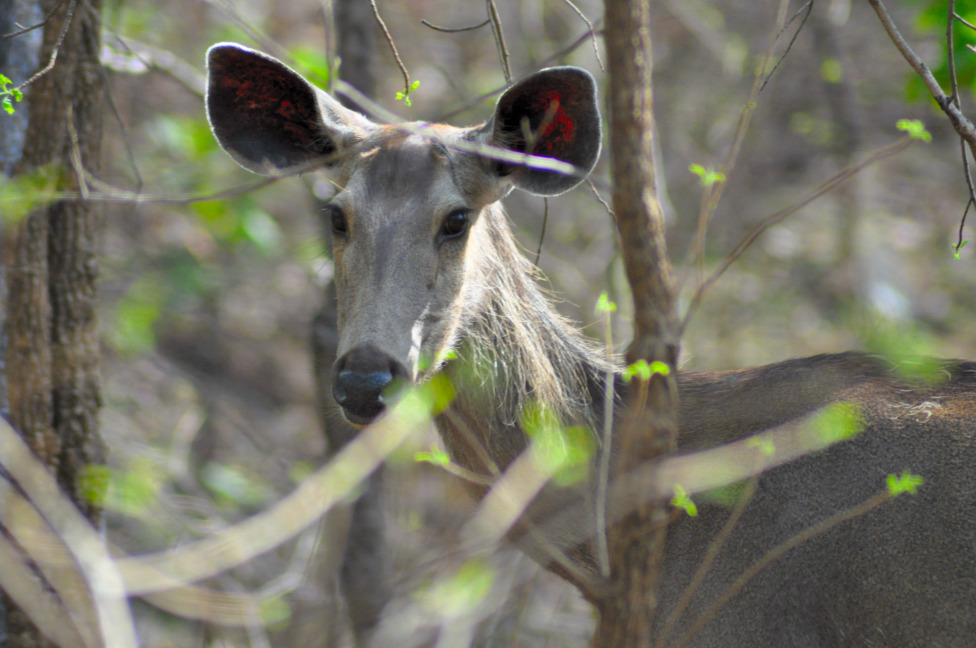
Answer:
(649, 426)
(51, 270)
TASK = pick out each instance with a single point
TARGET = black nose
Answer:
(365, 378)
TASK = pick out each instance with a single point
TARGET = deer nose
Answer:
(365, 379)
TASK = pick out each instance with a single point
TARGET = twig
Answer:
(542, 234)
(963, 20)
(960, 122)
(57, 46)
(709, 558)
(949, 104)
(713, 194)
(789, 46)
(496, 26)
(781, 215)
(43, 22)
(967, 172)
(775, 553)
(454, 30)
(396, 54)
(596, 48)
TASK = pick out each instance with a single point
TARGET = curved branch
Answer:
(960, 122)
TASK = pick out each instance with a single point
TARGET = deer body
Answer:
(426, 268)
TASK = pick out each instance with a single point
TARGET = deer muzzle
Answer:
(365, 380)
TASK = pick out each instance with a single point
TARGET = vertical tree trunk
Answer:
(626, 612)
(365, 575)
(50, 265)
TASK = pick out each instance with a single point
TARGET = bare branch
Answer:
(964, 127)
(781, 215)
(777, 552)
(496, 26)
(454, 30)
(57, 47)
(596, 47)
(396, 53)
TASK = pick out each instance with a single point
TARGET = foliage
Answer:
(930, 21)
(9, 95)
(904, 483)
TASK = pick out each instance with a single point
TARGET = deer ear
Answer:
(268, 117)
(552, 113)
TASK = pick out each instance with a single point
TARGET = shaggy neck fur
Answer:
(516, 351)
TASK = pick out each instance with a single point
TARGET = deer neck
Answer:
(516, 352)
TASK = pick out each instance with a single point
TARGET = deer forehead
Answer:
(401, 174)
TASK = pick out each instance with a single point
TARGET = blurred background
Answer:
(210, 408)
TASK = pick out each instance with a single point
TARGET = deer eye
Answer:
(455, 224)
(338, 221)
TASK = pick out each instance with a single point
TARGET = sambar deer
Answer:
(430, 279)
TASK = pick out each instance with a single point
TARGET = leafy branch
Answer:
(9, 95)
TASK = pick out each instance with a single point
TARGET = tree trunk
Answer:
(649, 426)
(50, 266)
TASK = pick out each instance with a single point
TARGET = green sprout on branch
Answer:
(9, 95)
(644, 370)
(959, 247)
(915, 129)
(906, 483)
(682, 500)
(405, 95)
(708, 176)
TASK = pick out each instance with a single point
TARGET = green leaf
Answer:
(838, 422)
(644, 370)
(9, 95)
(564, 451)
(708, 176)
(682, 500)
(434, 456)
(915, 129)
(604, 304)
(958, 248)
(906, 483)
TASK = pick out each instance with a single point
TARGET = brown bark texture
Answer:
(50, 266)
(649, 426)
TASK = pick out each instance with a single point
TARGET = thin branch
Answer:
(43, 22)
(454, 30)
(960, 122)
(713, 194)
(542, 234)
(596, 48)
(967, 172)
(396, 53)
(964, 21)
(808, 7)
(57, 46)
(123, 130)
(496, 26)
(777, 552)
(781, 215)
(706, 563)
(950, 12)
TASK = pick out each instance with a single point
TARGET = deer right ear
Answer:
(268, 117)
(552, 113)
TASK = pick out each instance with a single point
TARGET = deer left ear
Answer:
(552, 113)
